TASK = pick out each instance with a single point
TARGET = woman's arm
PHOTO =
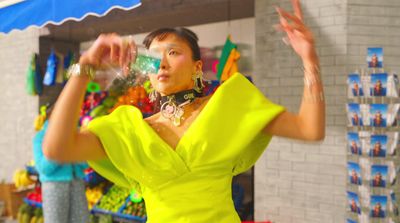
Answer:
(63, 142)
(309, 123)
(42, 165)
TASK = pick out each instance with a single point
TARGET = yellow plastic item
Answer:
(192, 182)
(39, 122)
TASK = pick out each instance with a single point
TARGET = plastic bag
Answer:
(30, 77)
(51, 71)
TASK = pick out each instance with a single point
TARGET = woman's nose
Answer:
(164, 63)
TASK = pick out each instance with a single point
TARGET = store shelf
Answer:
(374, 100)
(374, 129)
(364, 198)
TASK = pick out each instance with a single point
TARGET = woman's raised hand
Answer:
(110, 50)
(299, 36)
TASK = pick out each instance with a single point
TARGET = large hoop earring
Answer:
(198, 81)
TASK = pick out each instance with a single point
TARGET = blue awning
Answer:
(20, 14)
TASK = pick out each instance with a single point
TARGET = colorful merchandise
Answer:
(354, 202)
(227, 65)
(354, 173)
(355, 86)
(378, 206)
(354, 143)
(51, 71)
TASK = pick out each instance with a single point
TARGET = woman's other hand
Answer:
(299, 36)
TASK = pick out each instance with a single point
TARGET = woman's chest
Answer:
(170, 133)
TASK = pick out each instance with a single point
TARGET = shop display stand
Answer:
(372, 164)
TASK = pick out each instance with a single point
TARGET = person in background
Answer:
(63, 187)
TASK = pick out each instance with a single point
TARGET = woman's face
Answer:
(177, 66)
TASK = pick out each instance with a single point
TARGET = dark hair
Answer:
(183, 33)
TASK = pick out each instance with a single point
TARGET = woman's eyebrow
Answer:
(166, 46)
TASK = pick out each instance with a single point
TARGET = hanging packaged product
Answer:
(355, 88)
(354, 143)
(378, 146)
(51, 71)
(381, 145)
(378, 115)
(353, 202)
(30, 77)
(354, 115)
(354, 173)
(379, 175)
(378, 206)
(383, 84)
(375, 57)
(378, 85)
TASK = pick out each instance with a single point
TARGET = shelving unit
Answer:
(373, 147)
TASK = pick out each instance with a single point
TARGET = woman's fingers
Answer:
(297, 9)
(288, 16)
(296, 26)
(115, 51)
(285, 26)
(127, 53)
(111, 50)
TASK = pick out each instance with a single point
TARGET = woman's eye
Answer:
(172, 52)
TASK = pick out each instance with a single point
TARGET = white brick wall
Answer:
(298, 182)
(308, 180)
(17, 110)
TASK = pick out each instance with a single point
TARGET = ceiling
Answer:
(153, 14)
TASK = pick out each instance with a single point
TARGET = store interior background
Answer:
(294, 181)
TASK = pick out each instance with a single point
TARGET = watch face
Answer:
(74, 70)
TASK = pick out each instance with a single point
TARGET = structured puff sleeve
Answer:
(257, 112)
(235, 116)
(106, 129)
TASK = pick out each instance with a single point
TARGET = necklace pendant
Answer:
(179, 112)
(177, 121)
(168, 109)
(178, 116)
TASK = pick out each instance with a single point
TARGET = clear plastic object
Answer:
(143, 62)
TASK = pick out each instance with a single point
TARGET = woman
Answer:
(183, 162)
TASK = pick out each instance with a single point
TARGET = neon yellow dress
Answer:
(191, 184)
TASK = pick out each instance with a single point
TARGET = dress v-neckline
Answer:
(184, 135)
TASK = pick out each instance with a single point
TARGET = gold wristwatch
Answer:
(79, 70)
